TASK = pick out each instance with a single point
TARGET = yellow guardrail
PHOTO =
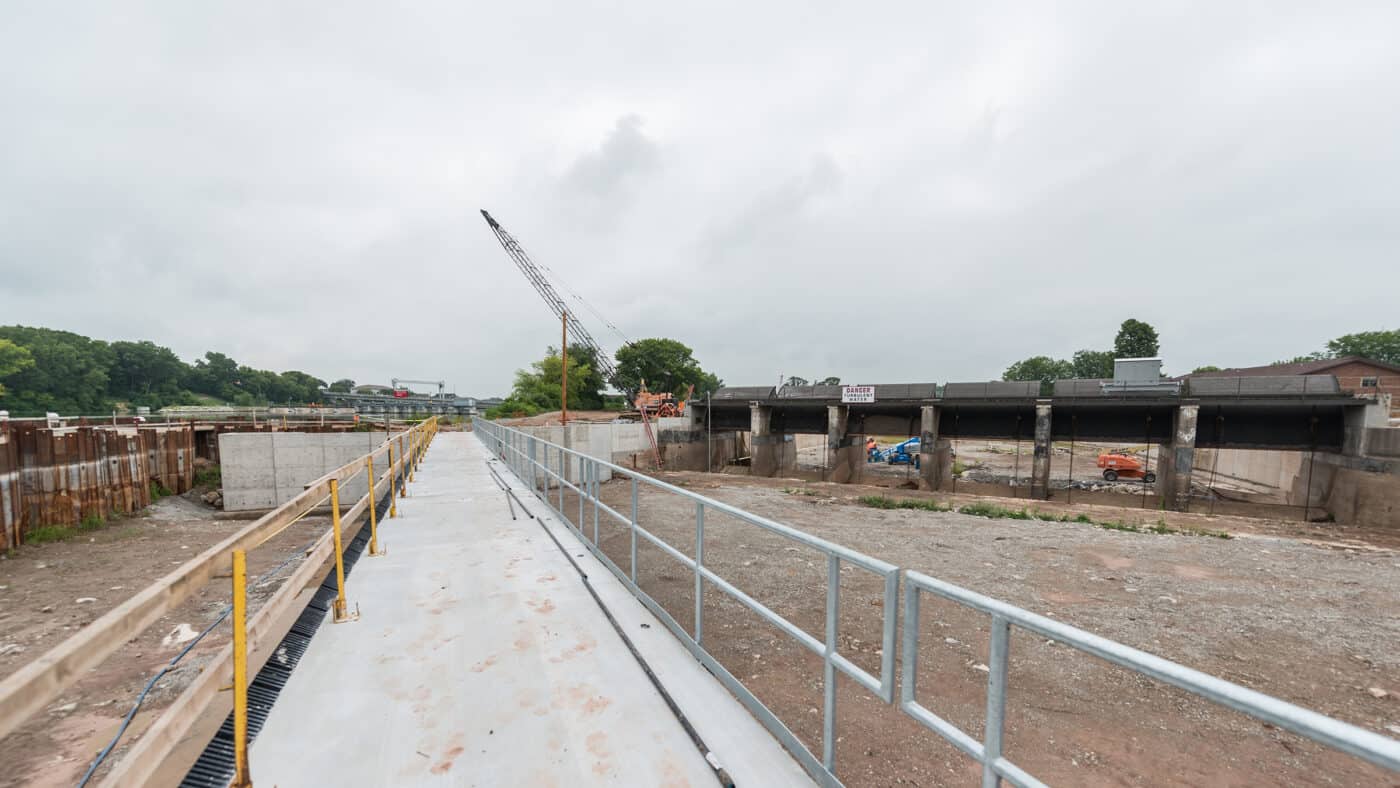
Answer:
(31, 688)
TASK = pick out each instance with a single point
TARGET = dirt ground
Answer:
(49, 591)
(1306, 612)
(995, 468)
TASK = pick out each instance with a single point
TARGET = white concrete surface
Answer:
(481, 659)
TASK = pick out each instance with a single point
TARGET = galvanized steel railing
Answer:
(530, 458)
(535, 461)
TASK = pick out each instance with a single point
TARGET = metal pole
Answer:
(634, 530)
(564, 372)
(699, 577)
(709, 448)
(241, 778)
(996, 699)
(1073, 428)
(373, 516)
(833, 592)
(393, 483)
(1312, 456)
(1147, 463)
(342, 613)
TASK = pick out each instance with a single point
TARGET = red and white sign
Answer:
(856, 395)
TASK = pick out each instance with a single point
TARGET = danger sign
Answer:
(855, 395)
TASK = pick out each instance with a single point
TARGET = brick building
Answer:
(1354, 373)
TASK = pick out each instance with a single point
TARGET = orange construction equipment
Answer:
(1116, 466)
(661, 404)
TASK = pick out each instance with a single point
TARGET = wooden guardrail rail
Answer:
(31, 688)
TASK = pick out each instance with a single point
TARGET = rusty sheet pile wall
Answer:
(63, 476)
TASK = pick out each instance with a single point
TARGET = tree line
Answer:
(661, 364)
(1136, 339)
(45, 370)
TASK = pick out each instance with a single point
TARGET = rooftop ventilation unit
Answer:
(1139, 376)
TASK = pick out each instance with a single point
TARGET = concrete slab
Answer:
(480, 659)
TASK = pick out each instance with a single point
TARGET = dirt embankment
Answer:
(1303, 612)
(50, 591)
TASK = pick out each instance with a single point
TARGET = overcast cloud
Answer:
(884, 192)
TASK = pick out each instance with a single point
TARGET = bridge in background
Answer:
(1297, 413)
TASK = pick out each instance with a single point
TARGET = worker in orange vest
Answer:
(871, 449)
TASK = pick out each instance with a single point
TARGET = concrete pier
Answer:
(935, 454)
(1040, 464)
(845, 455)
(1177, 459)
(773, 452)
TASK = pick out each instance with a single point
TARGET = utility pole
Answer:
(564, 372)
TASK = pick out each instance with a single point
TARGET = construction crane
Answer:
(546, 290)
(441, 384)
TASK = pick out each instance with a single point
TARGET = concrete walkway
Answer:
(481, 659)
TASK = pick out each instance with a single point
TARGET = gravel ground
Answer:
(1282, 609)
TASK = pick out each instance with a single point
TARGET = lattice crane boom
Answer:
(546, 290)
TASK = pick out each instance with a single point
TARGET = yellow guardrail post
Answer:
(374, 548)
(412, 454)
(240, 671)
(341, 609)
(393, 484)
(403, 461)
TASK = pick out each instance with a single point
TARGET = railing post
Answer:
(699, 575)
(403, 461)
(909, 655)
(595, 475)
(341, 609)
(534, 485)
(241, 778)
(996, 700)
(373, 516)
(563, 477)
(393, 484)
(833, 596)
(634, 530)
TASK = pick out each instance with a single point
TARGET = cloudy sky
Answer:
(884, 192)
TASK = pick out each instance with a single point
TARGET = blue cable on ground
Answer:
(140, 699)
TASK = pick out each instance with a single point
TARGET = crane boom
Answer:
(537, 278)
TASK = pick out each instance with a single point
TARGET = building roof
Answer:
(1319, 367)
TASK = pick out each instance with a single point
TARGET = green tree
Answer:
(590, 387)
(665, 365)
(1314, 356)
(68, 374)
(1376, 345)
(1092, 364)
(216, 375)
(1135, 339)
(829, 381)
(344, 385)
(795, 381)
(13, 358)
(1206, 368)
(1042, 368)
(145, 373)
(538, 388)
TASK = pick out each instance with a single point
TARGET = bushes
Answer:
(996, 512)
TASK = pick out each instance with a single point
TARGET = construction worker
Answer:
(871, 449)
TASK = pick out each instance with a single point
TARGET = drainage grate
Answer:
(214, 768)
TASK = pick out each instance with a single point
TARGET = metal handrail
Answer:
(519, 450)
(1373, 747)
(530, 457)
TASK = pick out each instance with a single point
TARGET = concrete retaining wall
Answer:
(626, 444)
(265, 470)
